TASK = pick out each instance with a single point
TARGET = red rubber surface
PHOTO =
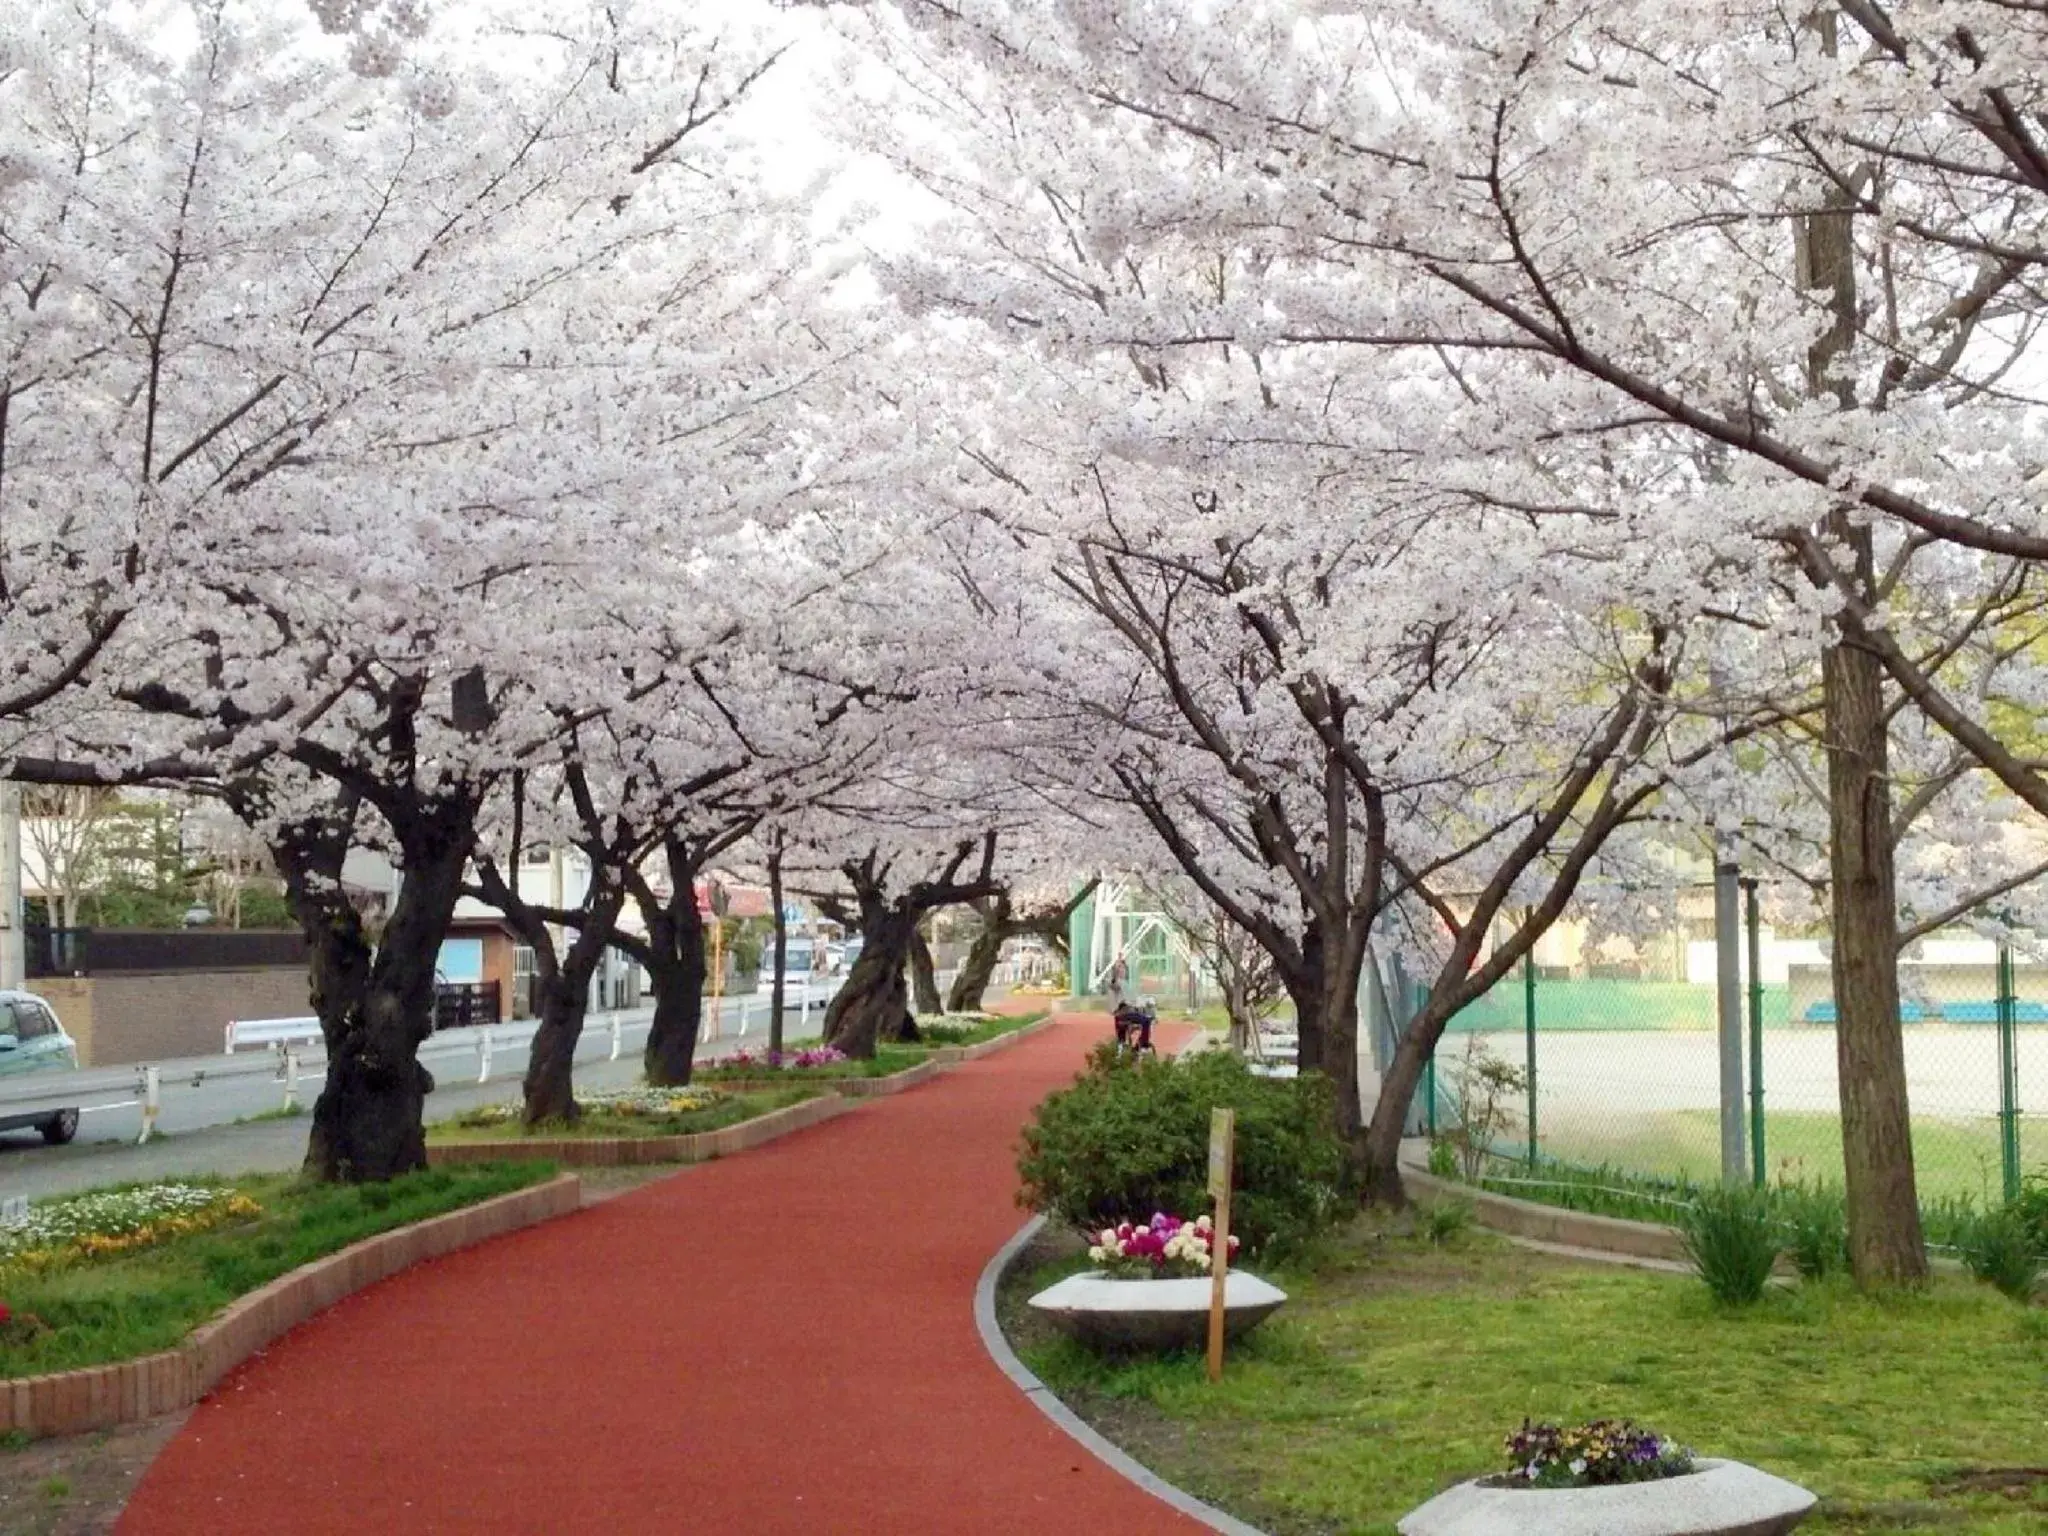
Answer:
(782, 1341)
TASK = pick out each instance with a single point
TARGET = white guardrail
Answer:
(293, 1050)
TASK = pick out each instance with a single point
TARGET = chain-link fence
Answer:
(1586, 1060)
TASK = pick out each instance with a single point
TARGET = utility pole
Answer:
(1728, 1009)
(13, 956)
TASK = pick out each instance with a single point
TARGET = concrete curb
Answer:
(1041, 1396)
(625, 1151)
(1552, 1223)
(129, 1391)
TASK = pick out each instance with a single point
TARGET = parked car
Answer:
(32, 1041)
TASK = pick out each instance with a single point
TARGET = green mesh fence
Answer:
(1627, 1075)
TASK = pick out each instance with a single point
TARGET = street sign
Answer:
(1222, 1132)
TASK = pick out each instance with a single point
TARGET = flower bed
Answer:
(626, 1114)
(745, 1063)
(104, 1223)
(107, 1302)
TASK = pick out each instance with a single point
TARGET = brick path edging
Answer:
(129, 1391)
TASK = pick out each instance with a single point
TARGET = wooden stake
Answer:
(1222, 1138)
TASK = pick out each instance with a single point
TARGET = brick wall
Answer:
(149, 1017)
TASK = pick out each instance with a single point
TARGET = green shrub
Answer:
(2032, 1207)
(1444, 1221)
(1998, 1247)
(1132, 1137)
(1816, 1228)
(1443, 1158)
(1731, 1241)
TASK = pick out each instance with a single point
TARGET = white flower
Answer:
(1578, 1466)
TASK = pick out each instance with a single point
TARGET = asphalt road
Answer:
(214, 1127)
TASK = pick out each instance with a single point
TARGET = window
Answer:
(36, 1020)
(462, 962)
(8, 1024)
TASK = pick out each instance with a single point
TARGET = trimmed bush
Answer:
(1132, 1137)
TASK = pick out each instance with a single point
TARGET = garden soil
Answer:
(778, 1342)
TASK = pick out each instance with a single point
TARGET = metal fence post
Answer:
(1753, 920)
(1529, 1028)
(2008, 1076)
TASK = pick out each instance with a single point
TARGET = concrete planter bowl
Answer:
(1106, 1312)
(1718, 1498)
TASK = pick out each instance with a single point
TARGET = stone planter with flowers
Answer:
(1611, 1478)
(1150, 1286)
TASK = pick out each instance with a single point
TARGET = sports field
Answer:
(1647, 1100)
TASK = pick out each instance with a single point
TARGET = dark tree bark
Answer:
(673, 954)
(562, 974)
(778, 986)
(375, 1007)
(979, 964)
(873, 1004)
(673, 951)
(1000, 923)
(924, 976)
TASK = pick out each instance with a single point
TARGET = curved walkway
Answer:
(779, 1342)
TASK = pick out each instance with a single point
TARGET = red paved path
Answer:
(781, 1341)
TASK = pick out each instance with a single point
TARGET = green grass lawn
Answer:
(1397, 1368)
(1952, 1158)
(598, 1125)
(148, 1300)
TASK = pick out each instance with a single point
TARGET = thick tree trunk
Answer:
(980, 964)
(924, 980)
(550, 1084)
(676, 967)
(367, 1122)
(1885, 1244)
(871, 1006)
(1304, 985)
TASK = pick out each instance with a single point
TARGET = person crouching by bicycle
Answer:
(1133, 1022)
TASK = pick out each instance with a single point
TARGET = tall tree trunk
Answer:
(564, 985)
(870, 1007)
(1885, 1243)
(924, 979)
(676, 966)
(368, 1121)
(979, 965)
(778, 987)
